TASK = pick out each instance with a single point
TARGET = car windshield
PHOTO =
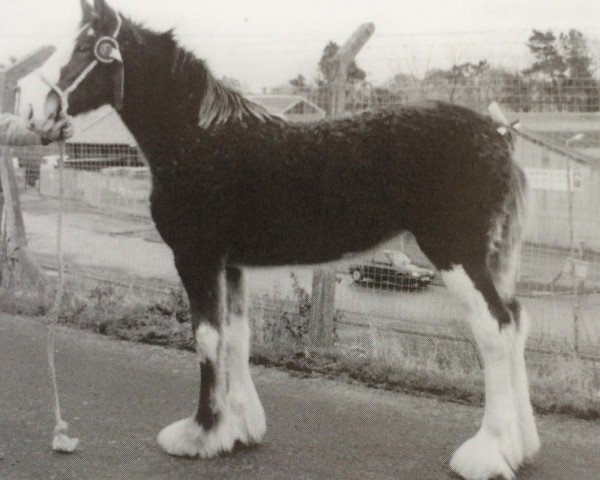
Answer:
(383, 258)
(398, 258)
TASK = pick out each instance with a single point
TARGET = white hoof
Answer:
(481, 458)
(249, 415)
(187, 438)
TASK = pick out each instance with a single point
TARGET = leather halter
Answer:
(106, 51)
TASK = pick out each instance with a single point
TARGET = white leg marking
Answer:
(241, 415)
(497, 449)
(529, 433)
(186, 437)
(506, 285)
(207, 343)
(243, 398)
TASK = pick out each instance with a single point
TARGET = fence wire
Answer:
(392, 303)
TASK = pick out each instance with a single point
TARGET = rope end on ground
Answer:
(61, 442)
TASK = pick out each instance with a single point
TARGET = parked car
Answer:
(390, 268)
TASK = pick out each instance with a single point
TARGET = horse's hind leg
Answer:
(507, 435)
(505, 279)
(497, 448)
(243, 398)
(213, 429)
(520, 384)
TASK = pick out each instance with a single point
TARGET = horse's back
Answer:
(277, 194)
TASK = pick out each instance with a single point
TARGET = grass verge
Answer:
(559, 384)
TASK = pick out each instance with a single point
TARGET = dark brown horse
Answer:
(233, 187)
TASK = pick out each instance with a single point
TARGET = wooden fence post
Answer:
(322, 307)
(323, 286)
(15, 257)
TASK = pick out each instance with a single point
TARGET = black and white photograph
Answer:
(299, 240)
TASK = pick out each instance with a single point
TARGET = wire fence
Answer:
(515, 93)
(392, 298)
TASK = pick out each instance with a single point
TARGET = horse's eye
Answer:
(83, 48)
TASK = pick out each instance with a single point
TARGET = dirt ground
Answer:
(117, 396)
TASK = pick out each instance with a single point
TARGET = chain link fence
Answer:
(391, 305)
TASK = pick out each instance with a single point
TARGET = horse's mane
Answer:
(219, 103)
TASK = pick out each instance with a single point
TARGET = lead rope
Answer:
(61, 442)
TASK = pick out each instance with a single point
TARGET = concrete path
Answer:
(117, 396)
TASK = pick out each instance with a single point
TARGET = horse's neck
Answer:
(172, 100)
(160, 107)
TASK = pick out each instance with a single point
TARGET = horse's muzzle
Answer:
(52, 106)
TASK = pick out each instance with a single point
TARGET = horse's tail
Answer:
(507, 236)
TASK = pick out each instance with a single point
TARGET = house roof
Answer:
(103, 126)
(280, 104)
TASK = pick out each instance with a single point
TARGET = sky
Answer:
(265, 43)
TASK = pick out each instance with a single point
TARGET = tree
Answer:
(355, 74)
(299, 84)
(401, 88)
(457, 83)
(561, 75)
(576, 54)
(327, 72)
(548, 61)
(581, 90)
(501, 85)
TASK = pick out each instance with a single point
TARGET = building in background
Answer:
(293, 108)
(102, 140)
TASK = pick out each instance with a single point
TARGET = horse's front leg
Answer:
(213, 429)
(243, 398)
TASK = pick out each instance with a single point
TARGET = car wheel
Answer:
(356, 275)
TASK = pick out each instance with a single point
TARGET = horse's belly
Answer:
(310, 243)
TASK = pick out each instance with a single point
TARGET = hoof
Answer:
(249, 415)
(186, 438)
(481, 458)
(531, 443)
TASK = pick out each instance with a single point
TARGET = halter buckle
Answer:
(107, 50)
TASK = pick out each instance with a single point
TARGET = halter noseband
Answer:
(106, 51)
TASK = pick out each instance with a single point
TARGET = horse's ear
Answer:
(107, 17)
(102, 8)
(87, 12)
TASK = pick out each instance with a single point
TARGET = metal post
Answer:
(576, 300)
(340, 63)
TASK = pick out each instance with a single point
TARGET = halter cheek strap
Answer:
(106, 51)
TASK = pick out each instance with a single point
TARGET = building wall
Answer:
(550, 218)
(123, 190)
(549, 222)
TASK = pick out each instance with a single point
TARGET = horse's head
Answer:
(93, 76)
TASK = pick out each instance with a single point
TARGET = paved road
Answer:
(118, 395)
(110, 244)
